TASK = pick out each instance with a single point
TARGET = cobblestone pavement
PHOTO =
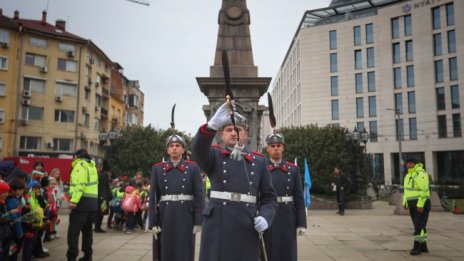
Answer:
(375, 234)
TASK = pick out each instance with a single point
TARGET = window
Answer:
(372, 106)
(62, 144)
(436, 18)
(66, 47)
(98, 100)
(451, 41)
(440, 95)
(333, 40)
(133, 100)
(399, 102)
(450, 14)
(2, 89)
(34, 85)
(333, 62)
(4, 36)
(87, 94)
(358, 82)
(397, 77)
(455, 97)
(35, 60)
(439, 71)
(409, 51)
(64, 116)
(132, 118)
(410, 75)
(335, 108)
(442, 130)
(369, 33)
(395, 28)
(357, 35)
(29, 143)
(96, 125)
(411, 102)
(357, 59)
(412, 129)
(371, 81)
(399, 129)
(67, 65)
(437, 50)
(453, 69)
(65, 89)
(334, 85)
(396, 53)
(360, 126)
(2, 115)
(457, 130)
(41, 43)
(32, 113)
(370, 57)
(360, 107)
(3, 63)
(85, 119)
(373, 131)
(407, 25)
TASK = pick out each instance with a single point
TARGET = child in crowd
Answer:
(14, 203)
(6, 236)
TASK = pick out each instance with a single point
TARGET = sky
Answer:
(169, 43)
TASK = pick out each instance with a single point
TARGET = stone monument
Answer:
(247, 87)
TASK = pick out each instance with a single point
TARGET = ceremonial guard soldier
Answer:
(176, 203)
(242, 201)
(290, 217)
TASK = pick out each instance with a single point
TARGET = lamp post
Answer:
(399, 136)
(357, 138)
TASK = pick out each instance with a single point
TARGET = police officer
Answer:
(176, 202)
(242, 201)
(290, 217)
(416, 198)
(83, 193)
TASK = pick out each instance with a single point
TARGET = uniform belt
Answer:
(284, 199)
(232, 196)
(176, 197)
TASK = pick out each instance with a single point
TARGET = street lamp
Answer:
(398, 134)
(357, 138)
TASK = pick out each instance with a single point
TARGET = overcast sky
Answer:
(169, 43)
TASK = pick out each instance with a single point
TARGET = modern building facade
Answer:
(393, 67)
(57, 90)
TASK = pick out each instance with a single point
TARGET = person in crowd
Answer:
(13, 203)
(83, 204)
(6, 237)
(104, 196)
(242, 201)
(416, 198)
(115, 205)
(176, 202)
(339, 184)
(131, 204)
(59, 192)
(34, 222)
(290, 218)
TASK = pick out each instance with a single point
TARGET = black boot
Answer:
(423, 247)
(416, 249)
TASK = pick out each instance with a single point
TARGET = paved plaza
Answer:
(375, 234)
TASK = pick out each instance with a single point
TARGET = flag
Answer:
(307, 185)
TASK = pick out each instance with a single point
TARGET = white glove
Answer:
(156, 230)
(196, 229)
(260, 224)
(300, 231)
(221, 117)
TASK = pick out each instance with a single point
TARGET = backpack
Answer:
(129, 204)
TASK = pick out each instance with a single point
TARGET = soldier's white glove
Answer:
(196, 229)
(156, 230)
(300, 231)
(260, 224)
(220, 118)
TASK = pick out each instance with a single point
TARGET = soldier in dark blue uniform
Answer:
(290, 218)
(242, 201)
(176, 203)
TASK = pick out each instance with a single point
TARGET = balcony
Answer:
(105, 93)
(104, 113)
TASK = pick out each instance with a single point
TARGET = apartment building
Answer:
(393, 67)
(58, 94)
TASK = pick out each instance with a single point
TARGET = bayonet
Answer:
(272, 119)
(229, 94)
(173, 125)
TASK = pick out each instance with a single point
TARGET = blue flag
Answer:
(307, 185)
